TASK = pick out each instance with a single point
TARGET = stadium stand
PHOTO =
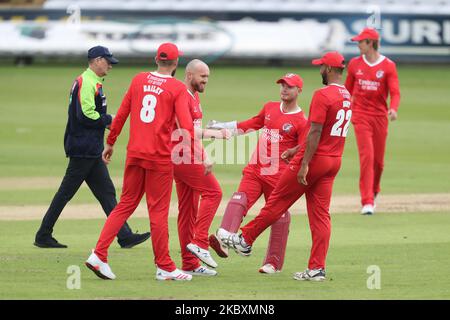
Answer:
(332, 6)
(21, 3)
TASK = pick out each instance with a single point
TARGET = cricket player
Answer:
(311, 172)
(195, 181)
(153, 101)
(371, 77)
(283, 125)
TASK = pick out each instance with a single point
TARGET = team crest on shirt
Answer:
(380, 74)
(287, 127)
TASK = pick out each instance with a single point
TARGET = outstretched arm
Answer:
(213, 133)
(241, 127)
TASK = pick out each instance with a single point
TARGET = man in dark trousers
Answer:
(83, 144)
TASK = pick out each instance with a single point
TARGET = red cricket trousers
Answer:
(320, 178)
(371, 134)
(155, 180)
(194, 219)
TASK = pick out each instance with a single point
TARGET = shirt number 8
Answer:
(148, 108)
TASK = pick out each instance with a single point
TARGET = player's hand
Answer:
(287, 155)
(301, 175)
(392, 115)
(208, 166)
(226, 134)
(213, 124)
(107, 153)
(109, 125)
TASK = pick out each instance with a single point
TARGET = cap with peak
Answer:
(367, 33)
(168, 51)
(332, 59)
(292, 80)
(100, 51)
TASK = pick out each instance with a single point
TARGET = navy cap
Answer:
(100, 51)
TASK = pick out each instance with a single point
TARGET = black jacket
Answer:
(87, 117)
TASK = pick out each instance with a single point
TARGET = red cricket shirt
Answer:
(153, 101)
(284, 129)
(370, 84)
(196, 152)
(331, 107)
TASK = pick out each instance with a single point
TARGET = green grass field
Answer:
(412, 250)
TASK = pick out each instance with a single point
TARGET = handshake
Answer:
(220, 130)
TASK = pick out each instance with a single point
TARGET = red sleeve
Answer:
(183, 113)
(121, 117)
(302, 131)
(350, 81)
(318, 108)
(184, 121)
(394, 88)
(255, 123)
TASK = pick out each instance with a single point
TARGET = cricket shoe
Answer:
(368, 209)
(48, 242)
(176, 275)
(100, 268)
(236, 241)
(133, 240)
(202, 254)
(217, 245)
(310, 275)
(268, 268)
(201, 271)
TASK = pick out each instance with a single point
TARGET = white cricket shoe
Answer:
(201, 271)
(176, 274)
(202, 254)
(368, 209)
(100, 268)
(310, 275)
(217, 245)
(268, 268)
(237, 243)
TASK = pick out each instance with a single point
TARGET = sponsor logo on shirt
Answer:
(369, 85)
(345, 93)
(155, 80)
(267, 117)
(271, 134)
(359, 72)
